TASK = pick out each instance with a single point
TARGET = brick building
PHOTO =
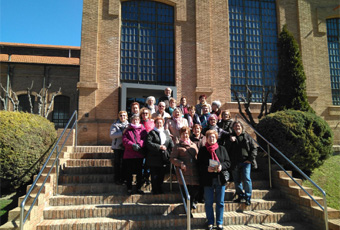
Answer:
(134, 49)
(43, 65)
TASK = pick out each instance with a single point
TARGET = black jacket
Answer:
(195, 120)
(154, 156)
(203, 163)
(242, 151)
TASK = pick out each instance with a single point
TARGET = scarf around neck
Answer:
(161, 134)
(211, 149)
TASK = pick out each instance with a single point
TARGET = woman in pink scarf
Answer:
(212, 161)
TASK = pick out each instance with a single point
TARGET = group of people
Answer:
(203, 141)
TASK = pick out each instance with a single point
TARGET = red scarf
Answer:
(211, 149)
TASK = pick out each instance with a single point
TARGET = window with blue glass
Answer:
(253, 46)
(147, 43)
(333, 36)
(61, 111)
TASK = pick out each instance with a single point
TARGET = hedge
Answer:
(305, 138)
(24, 140)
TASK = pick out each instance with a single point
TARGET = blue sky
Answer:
(45, 22)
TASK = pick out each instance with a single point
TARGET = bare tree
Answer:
(248, 116)
(12, 97)
(44, 105)
(29, 96)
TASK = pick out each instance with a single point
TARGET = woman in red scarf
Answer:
(212, 161)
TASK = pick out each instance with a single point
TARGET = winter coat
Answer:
(243, 149)
(195, 119)
(154, 156)
(184, 109)
(198, 141)
(129, 140)
(116, 134)
(226, 125)
(203, 158)
(222, 135)
(204, 120)
(182, 152)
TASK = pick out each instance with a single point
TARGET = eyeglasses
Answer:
(122, 115)
(145, 113)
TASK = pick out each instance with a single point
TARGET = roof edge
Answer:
(38, 46)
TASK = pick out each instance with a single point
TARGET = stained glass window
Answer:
(333, 36)
(147, 43)
(253, 46)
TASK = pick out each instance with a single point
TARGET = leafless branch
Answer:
(52, 102)
(29, 96)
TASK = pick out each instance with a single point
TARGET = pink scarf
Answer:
(211, 149)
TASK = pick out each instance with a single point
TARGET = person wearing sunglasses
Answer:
(116, 134)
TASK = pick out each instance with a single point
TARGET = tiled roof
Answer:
(39, 46)
(39, 59)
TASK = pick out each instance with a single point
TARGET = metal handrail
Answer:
(187, 204)
(23, 217)
(324, 209)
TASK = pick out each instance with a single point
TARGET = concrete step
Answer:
(90, 155)
(91, 149)
(270, 226)
(173, 197)
(168, 221)
(107, 187)
(129, 209)
(89, 163)
(89, 178)
(87, 170)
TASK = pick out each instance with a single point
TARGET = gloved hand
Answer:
(135, 147)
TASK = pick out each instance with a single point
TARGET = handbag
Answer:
(225, 176)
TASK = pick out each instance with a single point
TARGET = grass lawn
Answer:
(327, 177)
(3, 204)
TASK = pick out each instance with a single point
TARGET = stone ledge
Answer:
(87, 85)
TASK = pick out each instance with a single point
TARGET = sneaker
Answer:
(139, 191)
(210, 227)
(220, 227)
(194, 205)
(129, 192)
(248, 202)
(239, 199)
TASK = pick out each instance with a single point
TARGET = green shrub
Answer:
(24, 140)
(303, 137)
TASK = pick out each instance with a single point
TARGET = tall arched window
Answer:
(61, 111)
(253, 46)
(333, 36)
(147, 43)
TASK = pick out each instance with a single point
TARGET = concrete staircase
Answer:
(88, 199)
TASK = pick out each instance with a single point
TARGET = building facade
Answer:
(52, 69)
(134, 49)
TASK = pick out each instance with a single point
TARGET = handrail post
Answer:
(76, 141)
(170, 177)
(269, 167)
(325, 212)
(188, 215)
(57, 172)
(22, 209)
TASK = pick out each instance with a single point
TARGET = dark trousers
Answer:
(118, 165)
(133, 166)
(193, 192)
(157, 179)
